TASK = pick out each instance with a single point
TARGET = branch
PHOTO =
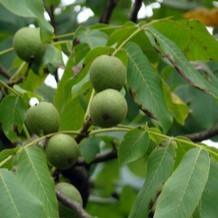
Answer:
(111, 4)
(200, 136)
(50, 10)
(135, 9)
(105, 157)
(99, 158)
(73, 205)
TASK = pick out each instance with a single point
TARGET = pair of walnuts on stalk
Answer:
(108, 107)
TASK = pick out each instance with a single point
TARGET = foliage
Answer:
(153, 164)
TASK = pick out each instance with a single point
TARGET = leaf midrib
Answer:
(188, 182)
(38, 178)
(10, 196)
(144, 80)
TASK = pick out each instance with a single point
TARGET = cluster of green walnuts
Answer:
(107, 75)
(61, 150)
(107, 108)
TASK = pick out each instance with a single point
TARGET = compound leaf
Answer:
(178, 60)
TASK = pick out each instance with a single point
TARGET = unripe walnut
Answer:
(108, 108)
(69, 191)
(62, 151)
(28, 44)
(43, 118)
(107, 72)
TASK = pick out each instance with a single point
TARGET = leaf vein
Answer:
(188, 182)
(10, 197)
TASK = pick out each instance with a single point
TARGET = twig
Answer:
(105, 157)
(73, 204)
(111, 4)
(7, 87)
(4, 72)
(52, 17)
(99, 158)
(53, 23)
(6, 51)
(84, 130)
(18, 75)
(206, 134)
(4, 161)
(50, 10)
(135, 9)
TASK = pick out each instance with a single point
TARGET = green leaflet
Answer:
(182, 191)
(191, 36)
(207, 206)
(12, 115)
(146, 85)
(173, 54)
(134, 146)
(16, 200)
(7, 154)
(159, 168)
(26, 8)
(72, 115)
(32, 171)
(89, 148)
(93, 38)
(122, 34)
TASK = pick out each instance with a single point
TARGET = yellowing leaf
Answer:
(176, 106)
(206, 16)
(179, 107)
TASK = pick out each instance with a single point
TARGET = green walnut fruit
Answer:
(107, 72)
(108, 108)
(71, 192)
(43, 118)
(62, 151)
(28, 44)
